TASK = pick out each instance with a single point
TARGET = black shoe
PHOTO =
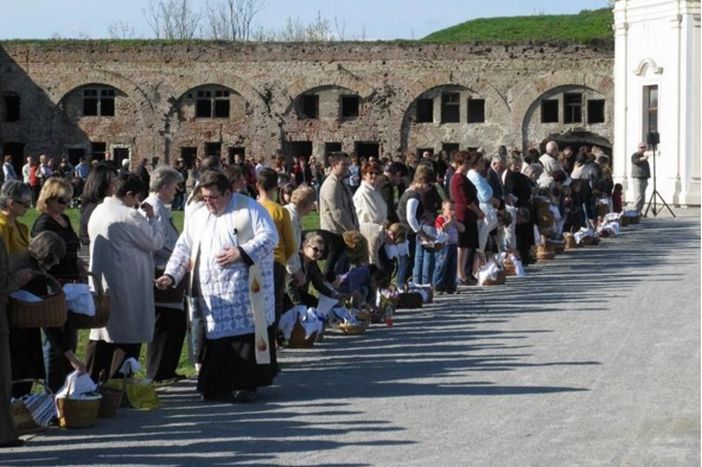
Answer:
(244, 395)
(15, 443)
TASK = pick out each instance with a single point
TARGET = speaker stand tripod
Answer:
(652, 200)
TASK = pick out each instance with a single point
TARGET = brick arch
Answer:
(131, 89)
(525, 103)
(338, 78)
(250, 94)
(438, 79)
(429, 81)
(531, 90)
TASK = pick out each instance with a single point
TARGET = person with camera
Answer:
(640, 173)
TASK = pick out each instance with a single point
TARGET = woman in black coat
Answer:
(521, 188)
(60, 344)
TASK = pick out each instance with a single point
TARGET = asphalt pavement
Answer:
(592, 359)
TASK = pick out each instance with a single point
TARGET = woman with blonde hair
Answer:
(301, 203)
(60, 343)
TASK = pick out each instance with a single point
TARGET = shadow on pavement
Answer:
(314, 397)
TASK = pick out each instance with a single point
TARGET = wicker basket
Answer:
(570, 242)
(499, 280)
(545, 252)
(49, 313)
(102, 309)
(354, 329)
(558, 246)
(111, 400)
(297, 338)
(22, 418)
(78, 413)
(510, 269)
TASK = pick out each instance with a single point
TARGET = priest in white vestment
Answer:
(222, 243)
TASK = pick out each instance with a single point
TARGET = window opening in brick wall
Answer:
(450, 107)
(310, 106)
(213, 149)
(420, 151)
(330, 148)
(120, 154)
(595, 111)
(572, 107)
(367, 149)
(233, 151)
(425, 110)
(75, 155)
(212, 103)
(350, 106)
(97, 150)
(12, 107)
(188, 154)
(99, 102)
(476, 110)
(549, 111)
(450, 147)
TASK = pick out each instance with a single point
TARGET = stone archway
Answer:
(143, 119)
(340, 77)
(116, 80)
(497, 107)
(255, 130)
(526, 107)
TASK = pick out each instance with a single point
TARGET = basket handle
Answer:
(50, 278)
(96, 283)
(37, 381)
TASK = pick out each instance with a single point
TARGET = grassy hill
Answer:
(588, 26)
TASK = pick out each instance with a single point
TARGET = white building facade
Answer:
(657, 86)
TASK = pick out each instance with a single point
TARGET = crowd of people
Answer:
(244, 256)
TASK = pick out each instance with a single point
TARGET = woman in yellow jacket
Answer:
(25, 343)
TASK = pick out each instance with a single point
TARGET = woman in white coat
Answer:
(122, 242)
(368, 199)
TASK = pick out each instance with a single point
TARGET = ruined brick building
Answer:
(168, 100)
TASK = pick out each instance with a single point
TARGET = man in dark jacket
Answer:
(640, 173)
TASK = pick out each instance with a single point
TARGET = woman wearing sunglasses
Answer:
(60, 343)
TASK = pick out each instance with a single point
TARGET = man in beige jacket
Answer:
(336, 208)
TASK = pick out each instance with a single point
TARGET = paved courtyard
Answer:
(593, 359)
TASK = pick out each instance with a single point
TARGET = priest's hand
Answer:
(228, 256)
(163, 282)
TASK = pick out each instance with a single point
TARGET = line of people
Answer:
(427, 222)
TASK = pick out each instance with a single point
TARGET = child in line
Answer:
(446, 266)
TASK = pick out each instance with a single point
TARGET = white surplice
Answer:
(224, 290)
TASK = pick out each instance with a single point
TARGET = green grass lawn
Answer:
(309, 222)
(585, 27)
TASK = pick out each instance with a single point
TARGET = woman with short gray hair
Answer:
(14, 190)
(162, 177)
(163, 352)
